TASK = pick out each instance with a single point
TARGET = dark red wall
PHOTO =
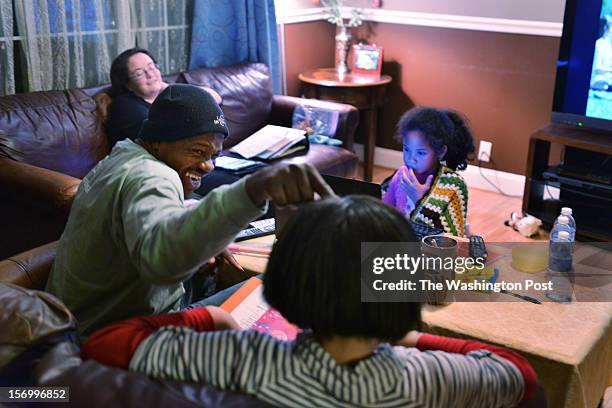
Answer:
(502, 82)
(307, 46)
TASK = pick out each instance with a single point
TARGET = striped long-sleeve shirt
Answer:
(301, 373)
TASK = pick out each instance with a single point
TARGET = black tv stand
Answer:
(590, 196)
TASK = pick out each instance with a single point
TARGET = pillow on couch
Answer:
(28, 317)
(32, 323)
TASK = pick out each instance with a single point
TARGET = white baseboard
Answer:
(509, 183)
(475, 177)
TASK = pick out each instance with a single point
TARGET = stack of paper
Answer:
(272, 142)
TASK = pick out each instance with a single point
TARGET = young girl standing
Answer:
(427, 188)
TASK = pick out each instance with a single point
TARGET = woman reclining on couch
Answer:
(344, 356)
(135, 83)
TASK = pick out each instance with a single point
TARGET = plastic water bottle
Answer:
(561, 224)
(560, 263)
(567, 212)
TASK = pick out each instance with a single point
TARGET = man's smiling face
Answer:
(192, 158)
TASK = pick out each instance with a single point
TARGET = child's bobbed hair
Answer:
(440, 127)
(313, 277)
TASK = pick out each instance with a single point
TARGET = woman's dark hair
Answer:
(119, 74)
(313, 277)
(441, 127)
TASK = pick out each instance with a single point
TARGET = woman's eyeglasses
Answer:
(140, 73)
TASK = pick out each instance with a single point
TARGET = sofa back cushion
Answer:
(246, 90)
(56, 130)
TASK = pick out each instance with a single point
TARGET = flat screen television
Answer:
(583, 87)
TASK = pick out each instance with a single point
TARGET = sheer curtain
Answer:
(71, 43)
(171, 44)
(7, 66)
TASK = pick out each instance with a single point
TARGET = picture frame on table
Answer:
(367, 59)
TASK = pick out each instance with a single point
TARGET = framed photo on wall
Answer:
(367, 59)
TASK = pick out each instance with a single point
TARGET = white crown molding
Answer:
(474, 176)
(499, 25)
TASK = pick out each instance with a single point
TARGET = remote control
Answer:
(477, 247)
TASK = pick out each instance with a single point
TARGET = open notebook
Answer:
(251, 311)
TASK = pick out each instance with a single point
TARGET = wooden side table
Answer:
(365, 92)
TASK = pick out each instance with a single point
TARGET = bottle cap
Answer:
(566, 211)
(563, 235)
(563, 219)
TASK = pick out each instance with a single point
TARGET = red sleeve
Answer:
(115, 344)
(432, 342)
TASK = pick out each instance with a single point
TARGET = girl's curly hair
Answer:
(441, 127)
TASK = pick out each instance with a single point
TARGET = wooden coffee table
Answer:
(569, 345)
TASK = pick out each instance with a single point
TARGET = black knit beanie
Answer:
(182, 111)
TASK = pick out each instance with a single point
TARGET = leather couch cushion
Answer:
(96, 385)
(246, 90)
(56, 130)
(28, 317)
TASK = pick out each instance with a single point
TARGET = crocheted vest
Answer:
(445, 205)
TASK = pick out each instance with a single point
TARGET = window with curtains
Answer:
(59, 44)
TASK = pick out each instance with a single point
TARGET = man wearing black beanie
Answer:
(131, 241)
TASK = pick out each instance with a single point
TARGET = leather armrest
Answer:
(36, 187)
(282, 113)
(29, 269)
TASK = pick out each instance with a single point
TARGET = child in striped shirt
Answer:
(350, 353)
(427, 188)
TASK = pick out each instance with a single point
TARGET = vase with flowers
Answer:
(343, 38)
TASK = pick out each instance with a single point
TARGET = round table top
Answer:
(330, 77)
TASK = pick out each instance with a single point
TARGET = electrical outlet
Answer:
(484, 152)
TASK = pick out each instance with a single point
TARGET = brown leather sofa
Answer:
(90, 383)
(96, 385)
(50, 140)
